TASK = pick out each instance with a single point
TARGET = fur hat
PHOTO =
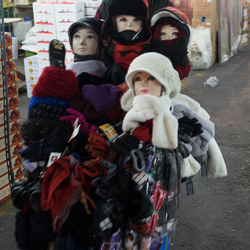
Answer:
(159, 67)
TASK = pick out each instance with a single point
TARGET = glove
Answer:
(99, 148)
(73, 115)
(128, 147)
(191, 127)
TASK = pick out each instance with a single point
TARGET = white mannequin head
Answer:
(84, 41)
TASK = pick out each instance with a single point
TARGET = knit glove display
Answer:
(73, 115)
(188, 128)
(97, 146)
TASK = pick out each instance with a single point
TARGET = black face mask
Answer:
(129, 36)
(176, 52)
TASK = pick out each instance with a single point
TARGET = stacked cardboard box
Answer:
(52, 20)
(205, 13)
(186, 6)
(14, 121)
(31, 73)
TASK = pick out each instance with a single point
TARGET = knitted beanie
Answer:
(56, 83)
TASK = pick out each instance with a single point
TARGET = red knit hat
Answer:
(56, 83)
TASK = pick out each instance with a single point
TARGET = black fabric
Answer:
(79, 58)
(86, 78)
(76, 232)
(41, 228)
(22, 231)
(46, 111)
(176, 52)
(109, 31)
(128, 7)
(154, 5)
(57, 53)
(33, 129)
(19, 193)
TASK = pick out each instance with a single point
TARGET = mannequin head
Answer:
(145, 83)
(84, 37)
(168, 32)
(127, 22)
(84, 41)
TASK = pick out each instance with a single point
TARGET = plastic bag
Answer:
(211, 81)
(200, 48)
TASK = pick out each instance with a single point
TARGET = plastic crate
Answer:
(11, 12)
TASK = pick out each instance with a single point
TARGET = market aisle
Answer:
(217, 215)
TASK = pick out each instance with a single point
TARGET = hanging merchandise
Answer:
(10, 139)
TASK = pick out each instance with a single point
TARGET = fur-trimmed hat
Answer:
(159, 67)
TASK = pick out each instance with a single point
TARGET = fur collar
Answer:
(165, 125)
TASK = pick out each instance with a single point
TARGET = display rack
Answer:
(5, 95)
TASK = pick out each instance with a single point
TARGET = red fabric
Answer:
(56, 83)
(60, 190)
(133, 51)
(157, 199)
(183, 70)
(144, 131)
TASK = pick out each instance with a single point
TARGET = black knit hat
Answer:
(88, 22)
(137, 8)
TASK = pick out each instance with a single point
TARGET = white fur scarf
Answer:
(165, 125)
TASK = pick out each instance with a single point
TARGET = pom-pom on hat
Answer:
(158, 66)
(56, 83)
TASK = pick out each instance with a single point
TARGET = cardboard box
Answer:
(214, 55)
(42, 46)
(3, 169)
(48, 19)
(4, 193)
(42, 64)
(66, 18)
(13, 102)
(67, 8)
(212, 24)
(40, 37)
(43, 8)
(45, 29)
(14, 114)
(31, 61)
(205, 8)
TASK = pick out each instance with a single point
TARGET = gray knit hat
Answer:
(158, 66)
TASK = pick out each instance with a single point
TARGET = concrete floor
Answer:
(217, 216)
